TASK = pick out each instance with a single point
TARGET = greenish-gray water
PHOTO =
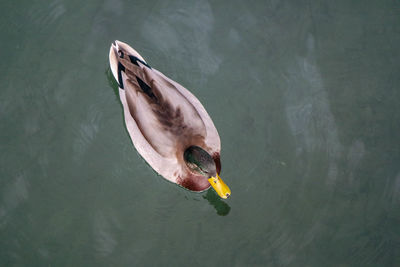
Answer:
(305, 96)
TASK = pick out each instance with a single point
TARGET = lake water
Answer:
(305, 96)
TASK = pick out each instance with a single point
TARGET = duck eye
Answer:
(120, 53)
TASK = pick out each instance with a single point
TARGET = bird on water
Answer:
(168, 125)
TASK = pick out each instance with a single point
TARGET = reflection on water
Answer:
(159, 25)
(103, 232)
(308, 111)
(12, 195)
(220, 206)
(46, 15)
(113, 83)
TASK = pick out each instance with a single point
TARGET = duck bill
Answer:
(220, 187)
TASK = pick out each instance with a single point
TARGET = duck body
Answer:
(163, 118)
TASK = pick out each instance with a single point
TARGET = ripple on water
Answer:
(46, 15)
(169, 23)
(395, 194)
(104, 228)
(308, 111)
(354, 157)
(86, 132)
(13, 194)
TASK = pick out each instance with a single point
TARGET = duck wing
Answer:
(165, 117)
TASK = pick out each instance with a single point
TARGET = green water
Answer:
(305, 96)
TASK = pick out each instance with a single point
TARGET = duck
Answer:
(167, 124)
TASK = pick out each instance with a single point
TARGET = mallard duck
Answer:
(168, 125)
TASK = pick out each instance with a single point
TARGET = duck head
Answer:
(200, 162)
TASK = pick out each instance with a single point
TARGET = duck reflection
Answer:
(220, 206)
(112, 82)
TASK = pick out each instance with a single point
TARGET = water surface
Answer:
(304, 94)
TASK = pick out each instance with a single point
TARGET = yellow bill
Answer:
(220, 187)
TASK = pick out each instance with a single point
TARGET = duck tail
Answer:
(117, 50)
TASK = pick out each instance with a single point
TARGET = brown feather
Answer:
(170, 118)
